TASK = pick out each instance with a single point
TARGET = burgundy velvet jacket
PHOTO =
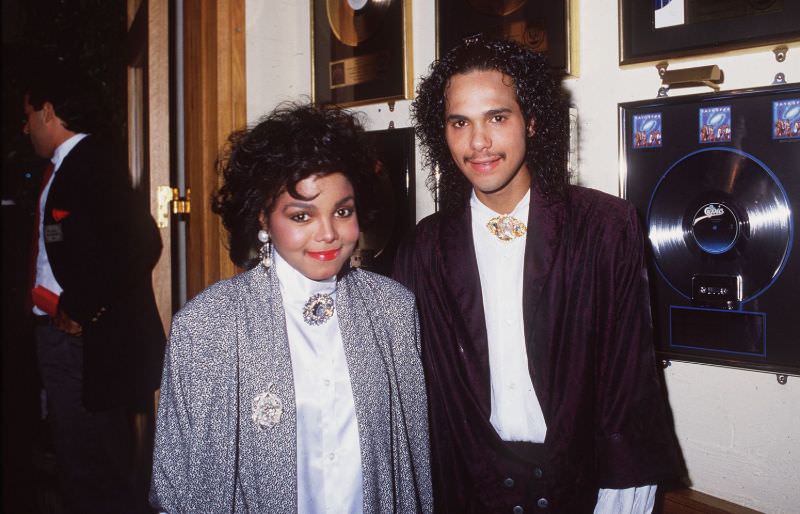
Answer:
(589, 340)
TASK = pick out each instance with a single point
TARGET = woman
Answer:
(295, 386)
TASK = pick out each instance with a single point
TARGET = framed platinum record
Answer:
(716, 181)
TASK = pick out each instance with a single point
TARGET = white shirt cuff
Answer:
(633, 500)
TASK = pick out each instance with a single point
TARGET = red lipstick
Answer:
(327, 255)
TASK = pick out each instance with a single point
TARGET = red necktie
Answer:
(48, 172)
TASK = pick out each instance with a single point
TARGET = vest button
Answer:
(508, 482)
(537, 472)
(542, 503)
(517, 510)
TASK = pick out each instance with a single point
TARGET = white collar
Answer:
(296, 287)
(65, 148)
(481, 211)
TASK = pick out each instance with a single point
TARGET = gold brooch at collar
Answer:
(506, 227)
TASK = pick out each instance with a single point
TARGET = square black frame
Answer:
(396, 218)
(640, 41)
(642, 168)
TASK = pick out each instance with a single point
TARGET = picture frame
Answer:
(360, 57)
(395, 219)
(650, 30)
(550, 26)
(717, 297)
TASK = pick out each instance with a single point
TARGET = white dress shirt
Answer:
(329, 476)
(516, 413)
(44, 273)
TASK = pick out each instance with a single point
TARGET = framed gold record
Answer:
(361, 51)
(549, 27)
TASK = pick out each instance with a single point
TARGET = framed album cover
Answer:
(361, 51)
(542, 26)
(658, 29)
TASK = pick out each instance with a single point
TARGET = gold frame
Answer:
(571, 32)
(408, 58)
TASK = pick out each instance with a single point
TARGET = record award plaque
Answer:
(361, 51)
(541, 26)
(716, 180)
(395, 197)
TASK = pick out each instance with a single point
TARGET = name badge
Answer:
(53, 233)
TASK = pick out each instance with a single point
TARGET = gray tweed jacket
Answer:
(228, 344)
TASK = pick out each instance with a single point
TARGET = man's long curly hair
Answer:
(290, 144)
(540, 96)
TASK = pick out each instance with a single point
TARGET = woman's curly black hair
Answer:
(288, 145)
(540, 97)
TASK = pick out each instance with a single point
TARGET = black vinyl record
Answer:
(715, 180)
(720, 211)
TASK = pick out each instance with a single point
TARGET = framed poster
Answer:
(542, 26)
(658, 29)
(361, 51)
(396, 217)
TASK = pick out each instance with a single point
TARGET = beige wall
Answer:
(739, 430)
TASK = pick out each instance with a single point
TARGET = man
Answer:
(533, 300)
(98, 334)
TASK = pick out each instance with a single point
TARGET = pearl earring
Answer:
(265, 252)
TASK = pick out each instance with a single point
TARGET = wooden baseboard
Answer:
(689, 501)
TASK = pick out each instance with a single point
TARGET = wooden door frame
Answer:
(215, 105)
(148, 43)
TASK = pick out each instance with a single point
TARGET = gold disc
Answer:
(355, 21)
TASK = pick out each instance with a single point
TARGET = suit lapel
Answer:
(369, 377)
(264, 365)
(462, 277)
(62, 189)
(542, 245)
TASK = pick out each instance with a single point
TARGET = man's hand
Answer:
(64, 323)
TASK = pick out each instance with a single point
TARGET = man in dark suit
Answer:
(98, 334)
(533, 299)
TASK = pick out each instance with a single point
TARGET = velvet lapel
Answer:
(462, 277)
(267, 456)
(542, 245)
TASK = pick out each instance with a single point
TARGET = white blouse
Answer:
(329, 476)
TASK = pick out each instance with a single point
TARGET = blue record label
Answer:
(786, 119)
(647, 130)
(715, 124)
